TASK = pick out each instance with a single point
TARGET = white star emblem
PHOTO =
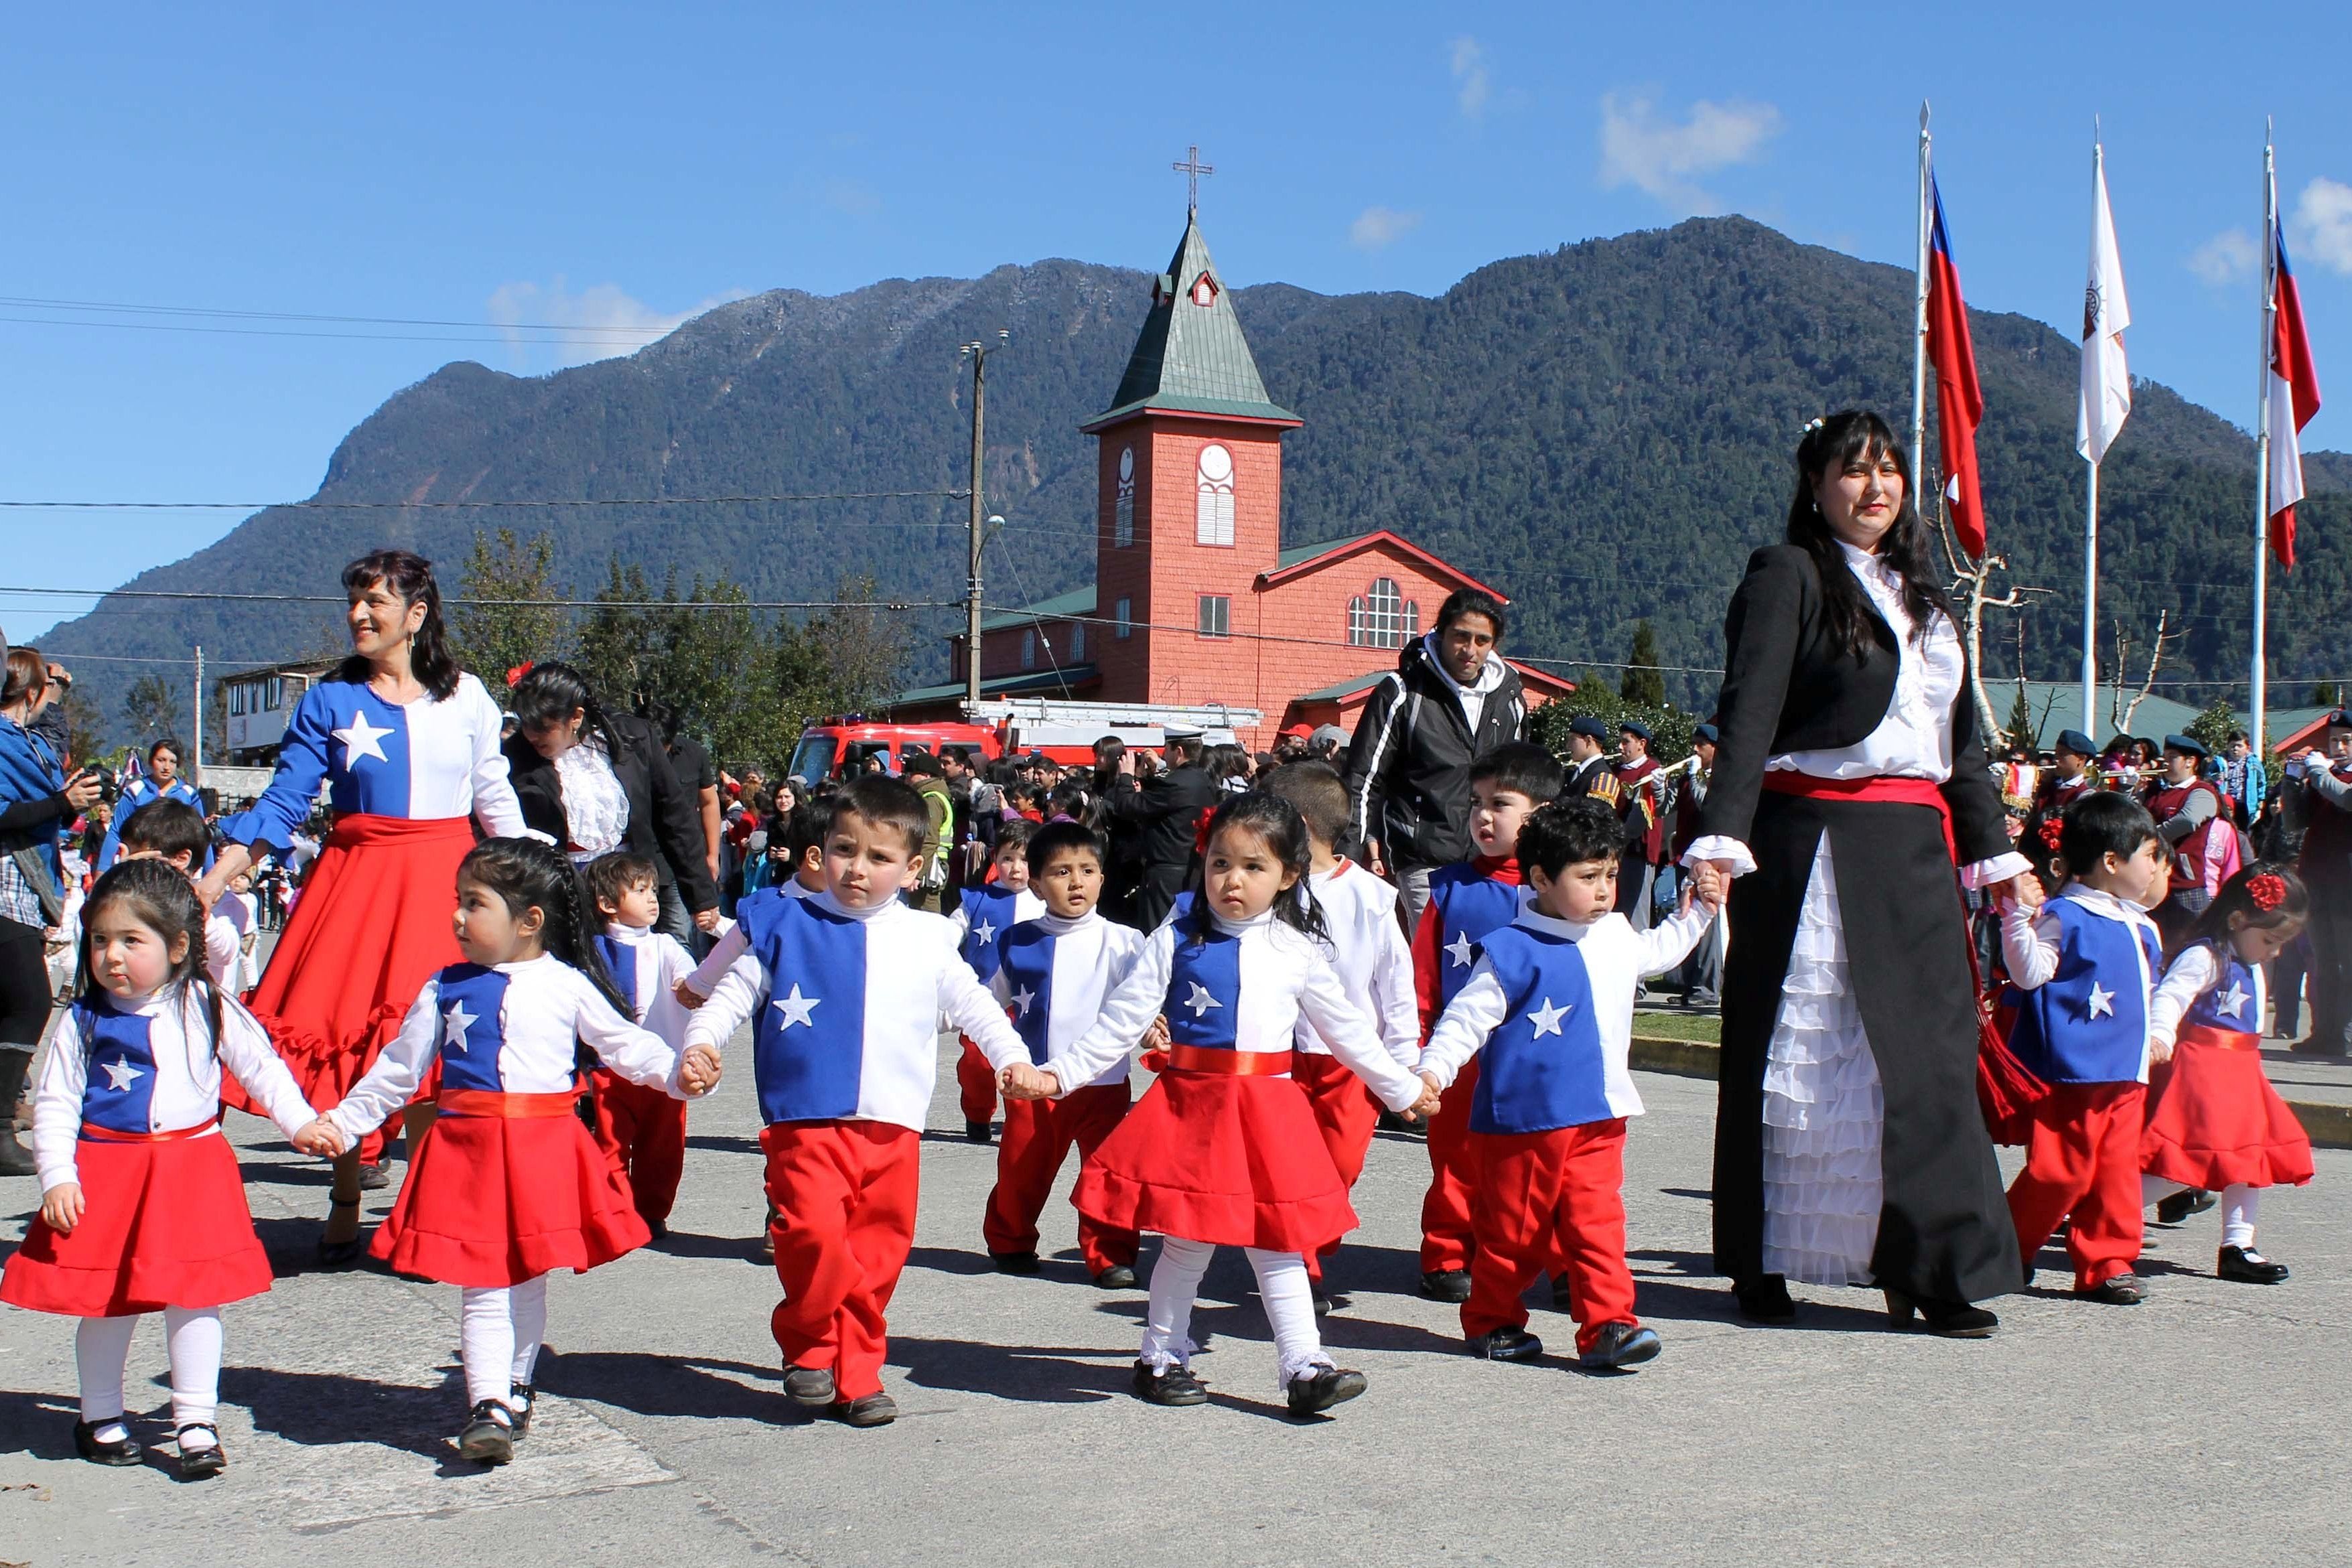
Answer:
(121, 1074)
(1546, 1018)
(2102, 1000)
(1023, 998)
(985, 933)
(797, 1008)
(361, 739)
(1459, 949)
(1201, 1001)
(2233, 1002)
(453, 1027)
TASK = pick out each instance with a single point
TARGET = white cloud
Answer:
(2226, 258)
(1664, 157)
(2322, 225)
(595, 323)
(1377, 228)
(1472, 83)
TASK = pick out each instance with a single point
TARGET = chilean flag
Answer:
(1959, 402)
(2294, 398)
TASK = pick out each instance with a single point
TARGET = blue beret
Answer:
(1707, 733)
(1634, 727)
(2340, 719)
(2187, 744)
(1585, 724)
(2075, 741)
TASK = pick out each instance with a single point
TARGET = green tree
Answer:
(2021, 725)
(151, 710)
(85, 729)
(1670, 727)
(841, 660)
(493, 633)
(2323, 693)
(1644, 685)
(620, 638)
(2214, 726)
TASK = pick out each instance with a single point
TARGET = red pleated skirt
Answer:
(498, 1200)
(2214, 1120)
(163, 1225)
(374, 923)
(1227, 1158)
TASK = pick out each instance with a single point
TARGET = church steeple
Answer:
(1191, 357)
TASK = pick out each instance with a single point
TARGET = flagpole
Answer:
(2263, 438)
(2091, 510)
(1919, 313)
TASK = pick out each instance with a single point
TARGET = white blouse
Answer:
(596, 807)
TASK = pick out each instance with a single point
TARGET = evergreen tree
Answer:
(150, 709)
(2021, 722)
(2324, 694)
(1644, 685)
(493, 638)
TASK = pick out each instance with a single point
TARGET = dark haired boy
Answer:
(1466, 901)
(174, 833)
(848, 988)
(641, 1130)
(982, 915)
(1551, 1008)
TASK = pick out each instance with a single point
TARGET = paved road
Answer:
(2208, 1425)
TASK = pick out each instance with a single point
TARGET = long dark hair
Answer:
(2289, 901)
(527, 873)
(1277, 823)
(1833, 443)
(411, 577)
(550, 693)
(163, 900)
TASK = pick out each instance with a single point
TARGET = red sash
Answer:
(1238, 1063)
(96, 1133)
(496, 1102)
(2218, 1039)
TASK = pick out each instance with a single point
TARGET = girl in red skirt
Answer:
(508, 1185)
(1223, 1148)
(2215, 1123)
(141, 1207)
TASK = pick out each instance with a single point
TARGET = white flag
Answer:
(2107, 381)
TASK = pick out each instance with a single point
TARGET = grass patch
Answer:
(1704, 1027)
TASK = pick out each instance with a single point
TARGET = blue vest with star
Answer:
(621, 963)
(1204, 990)
(2214, 1010)
(1470, 906)
(808, 1048)
(2089, 1023)
(361, 724)
(993, 908)
(473, 1035)
(120, 1094)
(1026, 961)
(1542, 1068)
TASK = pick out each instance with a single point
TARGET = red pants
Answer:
(1346, 1114)
(643, 1132)
(1038, 1136)
(1445, 1238)
(976, 1084)
(844, 1198)
(2082, 1157)
(1550, 1201)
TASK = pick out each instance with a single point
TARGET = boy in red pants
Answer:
(982, 917)
(642, 1131)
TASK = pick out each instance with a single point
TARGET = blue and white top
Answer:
(982, 916)
(733, 942)
(1550, 1006)
(513, 1030)
(849, 1004)
(645, 964)
(2211, 987)
(1054, 975)
(1369, 951)
(150, 1066)
(142, 791)
(2082, 971)
(426, 761)
(1466, 904)
(1242, 988)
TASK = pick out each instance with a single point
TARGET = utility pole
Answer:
(197, 762)
(977, 352)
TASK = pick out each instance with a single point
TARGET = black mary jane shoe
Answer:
(488, 1438)
(1172, 1385)
(1322, 1388)
(1117, 1277)
(1321, 1298)
(205, 1459)
(979, 1132)
(866, 1410)
(1505, 1344)
(2116, 1290)
(1948, 1320)
(810, 1387)
(2247, 1266)
(342, 1254)
(1449, 1285)
(1764, 1300)
(1016, 1262)
(122, 1450)
(525, 1401)
(2178, 1207)
(1620, 1346)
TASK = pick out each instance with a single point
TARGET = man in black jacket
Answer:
(1451, 699)
(1164, 818)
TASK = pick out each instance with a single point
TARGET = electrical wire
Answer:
(318, 506)
(504, 603)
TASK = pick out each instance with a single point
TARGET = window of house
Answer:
(1214, 479)
(1123, 518)
(1216, 615)
(1382, 617)
(1029, 649)
(1123, 613)
(1077, 641)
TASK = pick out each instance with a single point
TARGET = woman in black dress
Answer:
(1849, 1149)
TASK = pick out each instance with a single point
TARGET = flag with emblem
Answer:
(2292, 386)
(2107, 397)
(1960, 402)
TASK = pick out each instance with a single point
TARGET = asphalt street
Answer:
(2206, 1426)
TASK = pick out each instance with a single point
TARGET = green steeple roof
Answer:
(1191, 358)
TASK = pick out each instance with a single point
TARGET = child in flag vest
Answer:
(2217, 1124)
(1052, 973)
(1466, 901)
(848, 987)
(982, 916)
(1550, 1006)
(642, 1130)
(2082, 969)
(805, 835)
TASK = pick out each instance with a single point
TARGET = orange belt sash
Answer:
(96, 1133)
(497, 1102)
(2218, 1039)
(1235, 1063)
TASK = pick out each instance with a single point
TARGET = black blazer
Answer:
(1786, 688)
(664, 821)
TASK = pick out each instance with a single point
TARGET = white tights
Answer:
(2240, 1204)
(1281, 1285)
(102, 1349)
(500, 1331)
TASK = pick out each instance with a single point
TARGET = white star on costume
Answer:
(985, 933)
(453, 1027)
(1459, 949)
(2233, 1002)
(361, 739)
(121, 1074)
(796, 1007)
(1546, 1018)
(1201, 1001)
(2102, 1000)
(1023, 998)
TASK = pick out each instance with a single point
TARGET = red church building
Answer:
(1195, 601)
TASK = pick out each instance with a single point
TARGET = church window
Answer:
(1216, 615)
(1382, 617)
(1123, 514)
(1029, 649)
(1077, 640)
(1123, 614)
(1204, 290)
(1213, 479)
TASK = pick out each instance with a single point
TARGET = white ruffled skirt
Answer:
(1824, 1110)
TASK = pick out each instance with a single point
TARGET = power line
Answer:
(26, 302)
(502, 604)
(318, 506)
(347, 337)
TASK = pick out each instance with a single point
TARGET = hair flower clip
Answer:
(1813, 424)
(2268, 891)
(515, 675)
(2050, 834)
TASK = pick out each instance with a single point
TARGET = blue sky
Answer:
(613, 167)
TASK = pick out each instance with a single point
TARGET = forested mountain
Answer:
(1602, 430)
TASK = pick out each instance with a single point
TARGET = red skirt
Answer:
(1232, 1159)
(2214, 1121)
(498, 1200)
(163, 1225)
(372, 926)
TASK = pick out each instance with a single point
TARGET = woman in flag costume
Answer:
(407, 746)
(1849, 1147)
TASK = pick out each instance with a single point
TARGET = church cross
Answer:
(1192, 168)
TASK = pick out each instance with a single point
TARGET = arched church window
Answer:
(1123, 514)
(1214, 479)
(1382, 617)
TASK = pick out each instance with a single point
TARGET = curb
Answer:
(2329, 1126)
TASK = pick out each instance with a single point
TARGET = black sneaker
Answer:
(525, 1401)
(2249, 1267)
(204, 1459)
(122, 1450)
(810, 1387)
(2183, 1204)
(979, 1132)
(1016, 1262)
(1322, 1388)
(1621, 1345)
(1175, 1384)
(374, 1178)
(1450, 1285)
(1560, 1299)
(1505, 1344)
(488, 1434)
(658, 1229)
(1117, 1277)
(867, 1410)
(2117, 1291)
